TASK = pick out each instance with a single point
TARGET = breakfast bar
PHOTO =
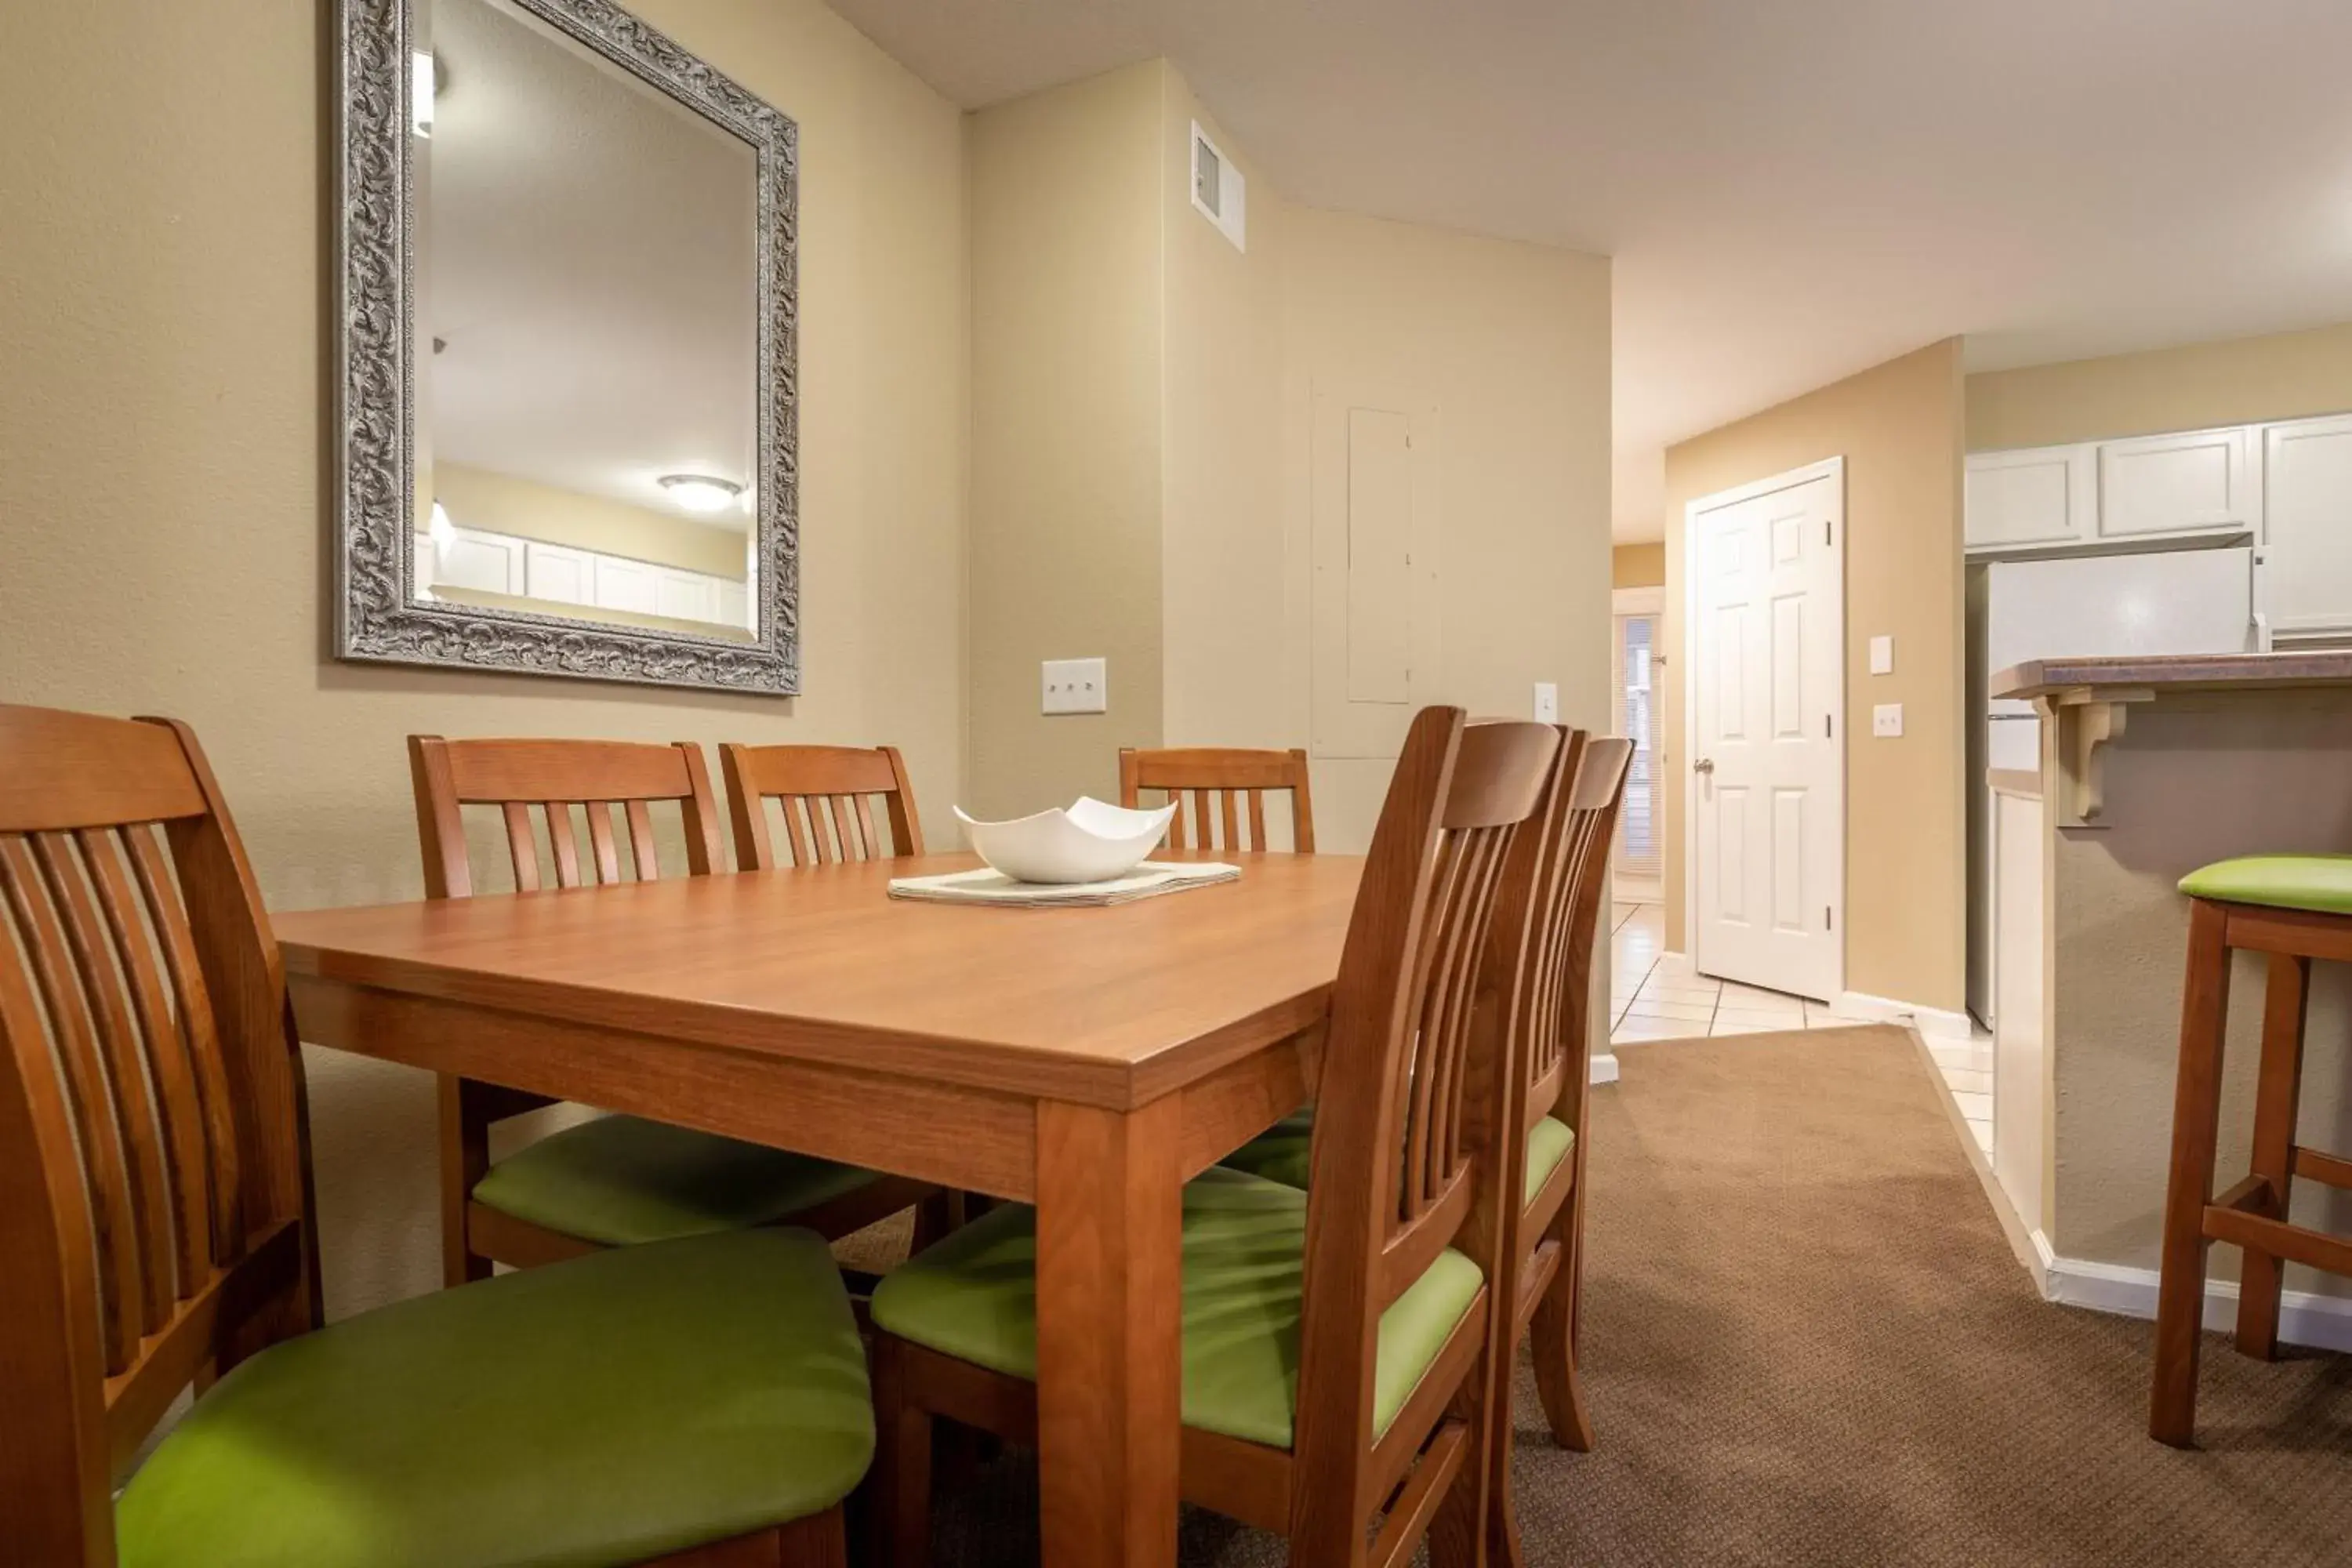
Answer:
(2151, 767)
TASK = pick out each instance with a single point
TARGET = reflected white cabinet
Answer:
(487, 563)
(2193, 481)
(2036, 495)
(686, 596)
(2307, 485)
(632, 585)
(734, 603)
(560, 573)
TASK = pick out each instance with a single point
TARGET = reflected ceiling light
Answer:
(700, 493)
(442, 529)
(420, 93)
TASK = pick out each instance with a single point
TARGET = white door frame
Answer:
(1687, 693)
(1649, 600)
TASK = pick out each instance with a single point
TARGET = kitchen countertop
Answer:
(2176, 672)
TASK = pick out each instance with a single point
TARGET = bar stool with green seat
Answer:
(698, 1403)
(2296, 908)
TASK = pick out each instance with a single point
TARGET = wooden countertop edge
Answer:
(2184, 672)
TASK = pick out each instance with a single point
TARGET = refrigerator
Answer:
(2178, 601)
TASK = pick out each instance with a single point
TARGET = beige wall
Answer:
(163, 479)
(1510, 341)
(1142, 396)
(1066, 362)
(2285, 376)
(1638, 566)
(502, 503)
(1899, 426)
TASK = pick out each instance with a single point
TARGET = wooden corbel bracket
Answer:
(2077, 725)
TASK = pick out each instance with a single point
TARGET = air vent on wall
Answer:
(1218, 189)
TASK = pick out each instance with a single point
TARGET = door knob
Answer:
(1704, 765)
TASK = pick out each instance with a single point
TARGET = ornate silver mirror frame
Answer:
(380, 615)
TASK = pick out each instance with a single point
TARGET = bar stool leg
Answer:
(2274, 1111)
(2196, 1128)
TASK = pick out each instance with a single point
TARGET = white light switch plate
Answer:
(1076, 686)
(1886, 719)
(1882, 656)
(1546, 703)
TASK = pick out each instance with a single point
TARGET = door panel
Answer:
(2173, 484)
(2308, 472)
(1768, 723)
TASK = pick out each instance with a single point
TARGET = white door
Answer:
(1635, 667)
(1768, 606)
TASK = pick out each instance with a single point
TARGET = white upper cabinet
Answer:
(687, 597)
(623, 584)
(2040, 495)
(2197, 481)
(487, 563)
(560, 573)
(2307, 483)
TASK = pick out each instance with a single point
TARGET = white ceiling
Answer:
(1793, 190)
(590, 267)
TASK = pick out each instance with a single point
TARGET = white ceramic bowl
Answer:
(1089, 842)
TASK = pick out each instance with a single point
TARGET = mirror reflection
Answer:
(586, 309)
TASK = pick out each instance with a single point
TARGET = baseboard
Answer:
(1604, 1068)
(2323, 1323)
(1934, 1023)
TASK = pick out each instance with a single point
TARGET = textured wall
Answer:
(164, 482)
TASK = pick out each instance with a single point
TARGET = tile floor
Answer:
(1656, 995)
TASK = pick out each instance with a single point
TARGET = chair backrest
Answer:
(1572, 887)
(557, 776)
(156, 1216)
(1220, 780)
(1413, 1081)
(811, 784)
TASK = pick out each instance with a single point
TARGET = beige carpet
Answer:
(1806, 1342)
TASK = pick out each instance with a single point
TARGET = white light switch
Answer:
(1882, 656)
(1076, 686)
(1546, 703)
(1886, 719)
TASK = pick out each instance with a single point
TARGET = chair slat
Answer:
(866, 826)
(1233, 830)
(563, 842)
(103, 1166)
(199, 1034)
(1204, 772)
(133, 1107)
(599, 842)
(795, 809)
(827, 795)
(643, 857)
(1257, 819)
(1176, 839)
(167, 1061)
(845, 830)
(521, 848)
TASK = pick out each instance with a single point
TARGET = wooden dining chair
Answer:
(618, 1180)
(1336, 1346)
(157, 1233)
(825, 796)
(1565, 891)
(1220, 781)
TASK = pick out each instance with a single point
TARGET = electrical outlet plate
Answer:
(1882, 655)
(1076, 686)
(1886, 719)
(1546, 703)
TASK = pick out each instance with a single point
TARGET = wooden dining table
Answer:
(1088, 1061)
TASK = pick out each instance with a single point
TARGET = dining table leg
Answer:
(1110, 1316)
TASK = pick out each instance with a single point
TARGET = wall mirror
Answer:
(567, 421)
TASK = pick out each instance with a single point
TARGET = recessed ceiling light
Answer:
(700, 493)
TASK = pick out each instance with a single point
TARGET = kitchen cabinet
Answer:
(2038, 495)
(2193, 481)
(2308, 531)
(560, 573)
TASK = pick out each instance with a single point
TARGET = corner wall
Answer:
(2241, 381)
(1899, 426)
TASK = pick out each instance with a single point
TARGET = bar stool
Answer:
(2294, 908)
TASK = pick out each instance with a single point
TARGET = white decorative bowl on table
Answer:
(1087, 842)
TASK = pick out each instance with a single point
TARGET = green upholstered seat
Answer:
(1280, 1152)
(638, 1402)
(620, 1181)
(974, 1296)
(2321, 883)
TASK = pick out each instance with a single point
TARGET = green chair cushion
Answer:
(619, 1181)
(974, 1296)
(2322, 883)
(608, 1410)
(1549, 1142)
(1280, 1152)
